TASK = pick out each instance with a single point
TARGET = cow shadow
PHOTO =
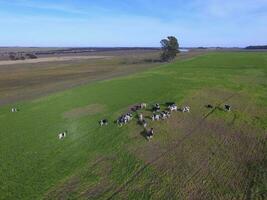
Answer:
(143, 133)
(209, 106)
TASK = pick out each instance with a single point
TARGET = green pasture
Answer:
(101, 163)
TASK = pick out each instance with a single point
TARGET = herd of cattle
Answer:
(157, 114)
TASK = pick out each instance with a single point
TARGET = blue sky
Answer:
(132, 22)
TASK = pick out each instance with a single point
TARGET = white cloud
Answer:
(231, 8)
(60, 6)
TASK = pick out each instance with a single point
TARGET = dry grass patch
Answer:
(200, 152)
(84, 111)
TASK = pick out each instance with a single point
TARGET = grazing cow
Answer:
(156, 108)
(150, 134)
(186, 109)
(120, 121)
(227, 107)
(155, 117)
(103, 122)
(124, 119)
(128, 117)
(136, 108)
(172, 107)
(165, 114)
(139, 107)
(14, 110)
(143, 105)
(62, 135)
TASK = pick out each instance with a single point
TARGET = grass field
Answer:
(204, 154)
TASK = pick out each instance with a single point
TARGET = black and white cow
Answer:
(155, 117)
(120, 121)
(103, 122)
(173, 107)
(128, 117)
(150, 134)
(156, 108)
(227, 107)
(164, 115)
(139, 107)
(124, 119)
(186, 109)
(14, 110)
(62, 135)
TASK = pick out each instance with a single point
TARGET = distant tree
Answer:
(170, 48)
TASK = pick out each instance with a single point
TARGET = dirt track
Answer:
(50, 59)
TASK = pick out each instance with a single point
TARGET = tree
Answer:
(170, 47)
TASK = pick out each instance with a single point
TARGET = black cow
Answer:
(227, 107)
(150, 133)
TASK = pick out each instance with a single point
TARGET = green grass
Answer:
(34, 164)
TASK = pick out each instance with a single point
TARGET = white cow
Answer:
(143, 105)
(62, 135)
(141, 117)
(14, 110)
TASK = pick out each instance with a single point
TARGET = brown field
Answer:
(28, 79)
(50, 59)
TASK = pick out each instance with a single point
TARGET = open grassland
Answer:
(204, 154)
